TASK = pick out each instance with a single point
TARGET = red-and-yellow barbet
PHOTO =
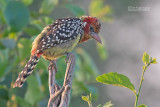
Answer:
(58, 39)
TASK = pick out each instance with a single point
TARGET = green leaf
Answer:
(143, 105)
(116, 79)
(16, 15)
(76, 10)
(108, 104)
(153, 61)
(88, 99)
(9, 43)
(33, 94)
(85, 98)
(47, 6)
(146, 58)
(22, 102)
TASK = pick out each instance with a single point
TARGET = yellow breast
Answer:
(61, 49)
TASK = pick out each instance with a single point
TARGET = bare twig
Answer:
(68, 81)
(52, 73)
(55, 99)
(53, 88)
(60, 97)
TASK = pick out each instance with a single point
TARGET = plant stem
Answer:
(90, 104)
(140, 85)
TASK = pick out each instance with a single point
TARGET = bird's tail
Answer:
(28, 69)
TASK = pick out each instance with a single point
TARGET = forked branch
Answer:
(59, 97)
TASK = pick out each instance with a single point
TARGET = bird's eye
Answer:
(91, 28)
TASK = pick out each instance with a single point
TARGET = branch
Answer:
(68, 81)
(59, 97)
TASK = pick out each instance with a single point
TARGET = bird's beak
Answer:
(96, 37)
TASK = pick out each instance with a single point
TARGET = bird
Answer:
(59, 39)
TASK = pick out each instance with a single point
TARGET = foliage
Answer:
(116, 79)
(13, 10)
(98, 9)
(20, 22)
(88, 99)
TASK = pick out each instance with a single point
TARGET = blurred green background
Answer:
(20, 22)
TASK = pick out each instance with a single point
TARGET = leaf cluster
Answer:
(88, 99)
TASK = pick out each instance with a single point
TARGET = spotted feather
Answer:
(61, 31)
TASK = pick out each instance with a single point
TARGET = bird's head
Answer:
(91, 27)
